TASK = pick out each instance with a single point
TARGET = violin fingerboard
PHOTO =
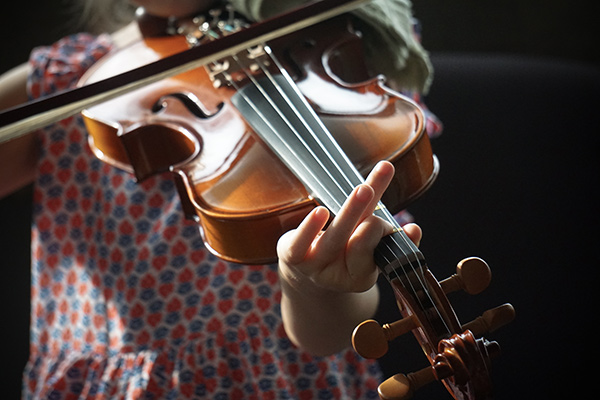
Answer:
(282, 118)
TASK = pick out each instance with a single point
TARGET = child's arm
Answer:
(328, 277)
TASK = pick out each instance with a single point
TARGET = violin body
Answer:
(228, 179)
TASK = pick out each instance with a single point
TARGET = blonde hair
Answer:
(99, 16)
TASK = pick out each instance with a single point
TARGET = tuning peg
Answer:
(473, 275)
(491, 320)
(370, 339)
(402, 387)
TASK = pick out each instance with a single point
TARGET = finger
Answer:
(339, 231)
(293, 246)
(361, 246)
(414, 232)
(355, 208)
(379, 179)
(361, 265)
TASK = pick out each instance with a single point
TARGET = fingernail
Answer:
(380, 165)
(321, 212)
(364, 193)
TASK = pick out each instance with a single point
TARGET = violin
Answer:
(222, 129)
(260, 134)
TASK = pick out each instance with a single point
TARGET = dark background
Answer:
(516, 86)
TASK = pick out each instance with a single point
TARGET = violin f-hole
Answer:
(190, 101)
(156, 148)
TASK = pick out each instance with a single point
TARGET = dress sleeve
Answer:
(59, 66)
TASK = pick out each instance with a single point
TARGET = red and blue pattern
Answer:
(126, 300)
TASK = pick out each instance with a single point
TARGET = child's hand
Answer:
(340, 258)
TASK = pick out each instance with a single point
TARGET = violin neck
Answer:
(399, 258)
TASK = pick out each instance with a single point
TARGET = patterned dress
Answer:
(126, 300)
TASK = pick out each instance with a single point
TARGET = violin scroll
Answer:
(458, 363)
(459, 357)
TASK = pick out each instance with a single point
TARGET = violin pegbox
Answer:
(459, 356)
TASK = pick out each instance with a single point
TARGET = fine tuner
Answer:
(458, 360)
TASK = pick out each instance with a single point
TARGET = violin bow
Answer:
(20, 120)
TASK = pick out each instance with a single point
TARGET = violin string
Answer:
(387, 215)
